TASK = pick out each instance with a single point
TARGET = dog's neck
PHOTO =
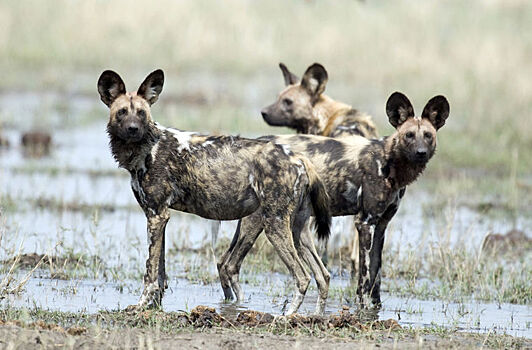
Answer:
(132, 155)
(401, 169)
(325, 111)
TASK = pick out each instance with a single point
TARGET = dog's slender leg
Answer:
(162, 267)
(371, 235)
(376, 253)
(221, 265)
(247, 233)
(310, 255)
(354, 255)
(366, 237)
(154, 281)
(278, 232)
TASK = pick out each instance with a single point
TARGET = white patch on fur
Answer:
(183, 138)
(286, 149)
(368, 218)
(379, 167)
(154, 150)
(170, 200)
(296, 302)
(152, 92)
(313, 84)
(367, 255)
(138, 188)
(343, 127)
(149, 289)
(207, 143)
(349, 193)
(300, 172)
(359, 193)
(253, 184)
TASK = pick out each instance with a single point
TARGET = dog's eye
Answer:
(428, 136)
(287, 102)
(121, 113)
(410, 135)
(142, 113)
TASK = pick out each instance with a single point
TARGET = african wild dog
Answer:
(303, 106)
(365, 178)
(216, 177)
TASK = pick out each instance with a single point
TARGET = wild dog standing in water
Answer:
(216, 177)
(365, 178)
(303, 106)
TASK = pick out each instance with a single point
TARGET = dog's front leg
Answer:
(371, 235)
(155, 277)
(368, 246)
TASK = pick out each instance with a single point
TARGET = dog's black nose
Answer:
(421, 153)
(264, 114)
(132, 129)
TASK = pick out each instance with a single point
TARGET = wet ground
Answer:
(91, 296)
(75, 200)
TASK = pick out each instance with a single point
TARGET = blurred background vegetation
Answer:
(221, 62)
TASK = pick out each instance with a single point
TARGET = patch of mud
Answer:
(29, 261)
(205, 316)
(42, 325)
(515, 241)
(252, 318)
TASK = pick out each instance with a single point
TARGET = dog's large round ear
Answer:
(289, 77)
(152, 86)
(314, 81)
(398, 109)
(436, 111)
(110, 86)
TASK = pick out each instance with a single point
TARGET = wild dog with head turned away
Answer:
(365, 178)
(303, 106)
(215, 177)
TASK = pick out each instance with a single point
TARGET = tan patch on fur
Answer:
(126, 101)
(353, 146)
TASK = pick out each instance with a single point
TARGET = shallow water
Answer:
(92, 296)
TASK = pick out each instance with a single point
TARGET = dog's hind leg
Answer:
(154, 279)
(309, 254)
(354, 255)
(162, 267)
(279, 234)
(247, 232)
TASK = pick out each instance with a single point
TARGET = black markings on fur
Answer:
(332, 148)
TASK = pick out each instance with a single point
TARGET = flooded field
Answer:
(74, 203)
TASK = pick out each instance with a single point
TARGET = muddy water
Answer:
(86, 206)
